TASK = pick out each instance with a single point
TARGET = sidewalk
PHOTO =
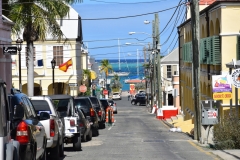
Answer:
(232, 154)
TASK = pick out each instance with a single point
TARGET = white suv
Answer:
(116, 95)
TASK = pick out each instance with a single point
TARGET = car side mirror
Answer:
(44, 116)
(18, 112)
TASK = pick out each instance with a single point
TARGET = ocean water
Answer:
(134, 66)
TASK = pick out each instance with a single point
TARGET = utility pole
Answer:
(154, 65)
(196, 67)
(157, 48)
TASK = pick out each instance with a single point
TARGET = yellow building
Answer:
(219, 44)
(44, 52)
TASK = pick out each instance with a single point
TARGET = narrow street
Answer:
(136, 135)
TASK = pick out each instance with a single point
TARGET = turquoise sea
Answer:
(128, 65)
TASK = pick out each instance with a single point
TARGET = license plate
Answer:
(71, 130)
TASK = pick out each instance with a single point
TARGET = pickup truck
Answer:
(53, 125)
(65, 106)
(9, 148)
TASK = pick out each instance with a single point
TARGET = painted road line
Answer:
(201, 150)
(112, 125)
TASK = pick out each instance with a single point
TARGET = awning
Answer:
(93, 75)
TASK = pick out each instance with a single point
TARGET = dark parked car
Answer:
(139, 100)
(97, 105)
(85, 104)
(105, 103)
(26, 127)
(86, 131)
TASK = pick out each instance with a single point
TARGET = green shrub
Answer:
(226, 133)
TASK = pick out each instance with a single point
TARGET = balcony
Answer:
(209, 51)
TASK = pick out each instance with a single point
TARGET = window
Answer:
(58, 54)
(169, 71)
(29, 107)
(34, 55)
(41, 105)
(2, 111)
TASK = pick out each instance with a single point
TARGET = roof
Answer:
(60, 96)
(171, 58)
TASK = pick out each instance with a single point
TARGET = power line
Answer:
(88, 19)
(128, 3)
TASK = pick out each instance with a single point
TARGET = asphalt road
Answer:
(138, 135)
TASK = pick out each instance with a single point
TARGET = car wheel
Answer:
(77, 142)
(95, 131)
(89, 136)
(133, 103)
(54, 152)
(84, 138)
(138, 103)
(61, 149)
(101, 125)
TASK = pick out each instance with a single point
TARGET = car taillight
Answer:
(52, 128)
(81, 124)
(22, 133)
(99, 113)
(72, 122)
(92, 113)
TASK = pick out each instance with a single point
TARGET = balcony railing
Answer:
(209, 51)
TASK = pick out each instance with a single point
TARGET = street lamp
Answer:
(53, 62)
(130, 33)
(19, 48)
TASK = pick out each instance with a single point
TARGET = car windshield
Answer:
(82, 103)
(104, 103)
(115, 93)
(94, 101)
(41, 105)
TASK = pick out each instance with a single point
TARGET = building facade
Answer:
(219, 45)
(44, 52)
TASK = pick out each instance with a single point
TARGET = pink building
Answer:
(5, 40)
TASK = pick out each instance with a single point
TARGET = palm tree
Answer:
(105, 67)
(35, 19)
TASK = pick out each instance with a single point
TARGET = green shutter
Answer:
(215, 51)
(238, 48)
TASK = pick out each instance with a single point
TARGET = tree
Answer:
(105, 67)
(35, 19)
(115, 83)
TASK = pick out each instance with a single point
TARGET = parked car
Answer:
(53, 125)
(85, 104)
(65, 106)
(113, 105)
(116, 95)
(105, 103)
(9, 148)
(97, 105)
(139, 100)
(86, 131)
(26, 128)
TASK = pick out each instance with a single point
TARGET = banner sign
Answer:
(221, 83)
(222, 96)
(236, 78)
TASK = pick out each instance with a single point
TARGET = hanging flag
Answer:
(38, 63)
(64, 66)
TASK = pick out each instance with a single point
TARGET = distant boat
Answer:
(119, 73)
(133, 81)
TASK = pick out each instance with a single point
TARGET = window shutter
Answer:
(49, 56)
(238, 48)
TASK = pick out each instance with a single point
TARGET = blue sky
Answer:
(105, 33)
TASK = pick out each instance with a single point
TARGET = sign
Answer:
(105, 92)
(83, 88)
(72, 84)
(222, 96)
(10, 50)
(212, 114)
(235, 76)
(221, 83)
